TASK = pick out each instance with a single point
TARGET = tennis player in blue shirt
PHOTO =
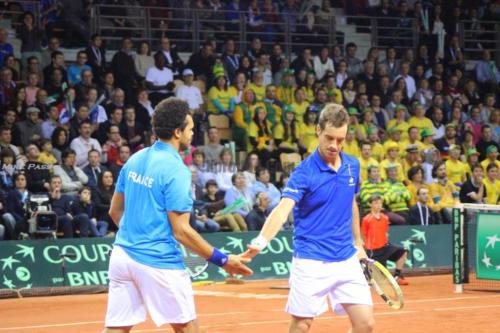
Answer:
(321, 191)
(151, 205)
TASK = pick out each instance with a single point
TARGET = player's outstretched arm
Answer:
(273, 225)
(233, 264)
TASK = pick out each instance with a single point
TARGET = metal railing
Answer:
(14, 12)
(192, 27)
(188, 28)
(478, 35)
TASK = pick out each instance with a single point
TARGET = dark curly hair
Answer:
(170, 114)
(414, 170)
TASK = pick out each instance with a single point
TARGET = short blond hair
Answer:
(333, 114)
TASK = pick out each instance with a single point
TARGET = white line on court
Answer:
(238, 295)
(467, 307)
(279, 310)
(233, 294)
(50, 325)
(268, 322)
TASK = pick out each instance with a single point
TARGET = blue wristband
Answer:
(218, 258)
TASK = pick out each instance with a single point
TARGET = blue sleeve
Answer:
(120, 183)
(177, 193)
(297, 185)
(357, 177)
(229, 197)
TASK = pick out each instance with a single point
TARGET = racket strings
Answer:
(194, 263)
(384, 284)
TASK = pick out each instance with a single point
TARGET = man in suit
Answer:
(96, 57)
(391, 62)
(123, 68)
(421, 213)
(172, 59)
(94, 168)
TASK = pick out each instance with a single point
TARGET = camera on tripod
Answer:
(41, 219)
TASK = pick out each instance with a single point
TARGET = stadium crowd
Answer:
(425, 129)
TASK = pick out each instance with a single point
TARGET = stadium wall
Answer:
(38, 263)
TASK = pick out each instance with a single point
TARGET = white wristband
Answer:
(260, 242)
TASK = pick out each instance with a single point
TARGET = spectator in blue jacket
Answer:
(61, 205)
(263, 184)
(5, 48)
(83, 208)
(16, 203)
(239, 191)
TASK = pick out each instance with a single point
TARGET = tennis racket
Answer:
(380, 279)
(195, 264)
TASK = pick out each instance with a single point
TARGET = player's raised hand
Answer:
(236, 265)
(252, 251)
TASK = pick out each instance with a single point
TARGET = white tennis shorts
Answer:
(135, 289)
(313, 283)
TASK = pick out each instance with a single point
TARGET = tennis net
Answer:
(476, 247)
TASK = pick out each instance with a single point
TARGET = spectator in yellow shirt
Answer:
(220, 97)
(366, 123)
(491, 157)
(273, 105)
(260, 136)
(394, 138)
(354, 122)
(455, 169)
(492, 184)
(366, 160)
(377, 148)
(411, 159)
(472, 159)
(351, 145)
(308, 128)
(444, 194)
(399, 121)
(310, 87)
(286, 89)
(427, 139)
(332, 91)
(257, 85)
(46, 155)
(416, 182)
(244, 112)
(300, 105)
(419, 120)
(286, 133)
(413, 138)
(392, 158)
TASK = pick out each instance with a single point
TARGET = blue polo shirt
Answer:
(323, 210)
(153, 181)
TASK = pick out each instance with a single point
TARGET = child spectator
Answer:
(46, 155)
(8, 168)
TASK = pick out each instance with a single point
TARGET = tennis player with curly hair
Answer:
(151, 205)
